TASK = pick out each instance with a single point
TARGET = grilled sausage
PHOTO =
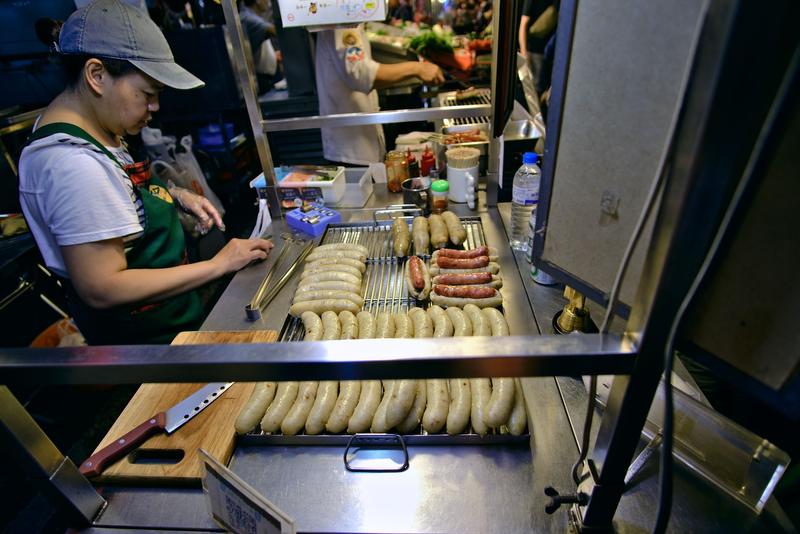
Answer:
(312, 325)
(256, 407)
(460, 406)
(368, 402)
(400, 236)
(349, 325)
(323, 406)
(472, 253)
(456, 230)
(349, 392)
(420, 235)
(469, 292)
(284, 399)
(320, 306)
(438, 231)
(437, 255)
(417, 275)
(296, 418)
(469, 279)
(460, 302)
(493, 268)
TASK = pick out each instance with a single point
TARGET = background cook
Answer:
(107, 228)
(347, 79)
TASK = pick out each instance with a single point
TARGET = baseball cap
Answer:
(116, 30)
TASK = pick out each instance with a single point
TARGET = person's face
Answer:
(132, 102)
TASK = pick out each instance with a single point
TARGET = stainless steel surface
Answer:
(466, 439)
(323, 360)
(445, 489)
(44, 464)
(449, 100)
(194, 404)
(242, 63)
(378, 117)
(262, 300)
(150, 509)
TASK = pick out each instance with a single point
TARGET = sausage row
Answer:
(402, 405)
(435, 230)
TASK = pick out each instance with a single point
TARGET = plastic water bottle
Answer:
(524, 198)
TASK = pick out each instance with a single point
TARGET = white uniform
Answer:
(345, 75)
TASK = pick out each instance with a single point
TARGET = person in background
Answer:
(347, 79)
(403, 12)
(107, 228)
(256, 16)
(537, 24)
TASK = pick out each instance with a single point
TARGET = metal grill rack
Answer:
(383, 284)
(484, 96)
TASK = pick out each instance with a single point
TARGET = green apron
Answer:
(161, 245)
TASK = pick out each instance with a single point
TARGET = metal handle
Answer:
(376, 442)
(412, 209)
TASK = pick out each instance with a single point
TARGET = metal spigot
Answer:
(557, 500)
(575, 316)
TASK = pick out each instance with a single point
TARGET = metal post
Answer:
(242, 63)
(493, 173)
(57, 476)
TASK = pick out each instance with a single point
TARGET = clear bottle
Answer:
(524, 198)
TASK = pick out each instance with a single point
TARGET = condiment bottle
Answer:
(439, 192)
(427, 162)
(396, 170)
(413, 164)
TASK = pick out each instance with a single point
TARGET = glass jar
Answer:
(439, 192)
(396, 170)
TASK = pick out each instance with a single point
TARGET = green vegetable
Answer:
(428, 42)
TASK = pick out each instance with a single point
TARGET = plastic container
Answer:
(396, 170)
(297, 185)
(524, 199)
(439, 192)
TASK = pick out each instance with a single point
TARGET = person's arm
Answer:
(99, 271)
(392, 73)
(522, 37)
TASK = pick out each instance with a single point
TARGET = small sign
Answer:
(329, 12)
(238, 507)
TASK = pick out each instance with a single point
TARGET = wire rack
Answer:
(383, 284)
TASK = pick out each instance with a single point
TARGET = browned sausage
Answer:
(472, 292)
(462, 263)
(474, 253)
(464, 279)
(415, 268)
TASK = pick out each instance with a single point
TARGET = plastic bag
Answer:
(267, 62)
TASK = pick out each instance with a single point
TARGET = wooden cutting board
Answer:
(164, 459)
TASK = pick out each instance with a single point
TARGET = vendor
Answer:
(103, 225)
(347, 78)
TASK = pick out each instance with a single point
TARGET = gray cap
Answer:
(113, 29)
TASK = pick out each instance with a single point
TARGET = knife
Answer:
(167, 421)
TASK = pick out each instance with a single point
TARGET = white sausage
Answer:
(335, 276)
(329, 294)
(460, 405)
(312, 325)
(296, 418)
(284, 399)
(493, 268)
(414, 416)
(480, 325)
(352, 254)
(365, 409)
(400, 402)
(344, 246)
(481, 390)
(329, 285)
(360, 265)
(519, 417)
(460, 302)
(256, 407)
(501, 402)
(349, 391)
(402, 326)
(384, 325)
(320, 306)
(462, 327)
(420, 235)
(423, 325)
(331, 329)
(323, 406)
(366, 325)
(379, 423)
(455, 229)
(349, 325)
(316, 269)
(438, 230)
(496, 321)
(442, 325)
(435, 416)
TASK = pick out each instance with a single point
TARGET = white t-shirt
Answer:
(345, 75)
(71, 193)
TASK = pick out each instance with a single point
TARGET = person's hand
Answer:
(237, 253)
(430, 73)
(202, 208)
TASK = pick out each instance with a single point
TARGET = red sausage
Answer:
(462, 263)
(415, 269)
(463, 279)
(474, 253)
(472, 292)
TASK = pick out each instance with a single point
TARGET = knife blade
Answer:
(167, 421)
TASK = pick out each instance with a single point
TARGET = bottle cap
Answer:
(440, 186)
(529, 158)
(433, 173)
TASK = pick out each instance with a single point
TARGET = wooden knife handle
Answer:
(111, 453)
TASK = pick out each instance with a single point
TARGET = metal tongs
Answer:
(265, 294)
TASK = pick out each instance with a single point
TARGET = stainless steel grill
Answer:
(383, 284)
(484, 96)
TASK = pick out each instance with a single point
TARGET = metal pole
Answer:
(242, 61)
(57, 476)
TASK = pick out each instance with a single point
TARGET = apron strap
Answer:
(75, 131)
